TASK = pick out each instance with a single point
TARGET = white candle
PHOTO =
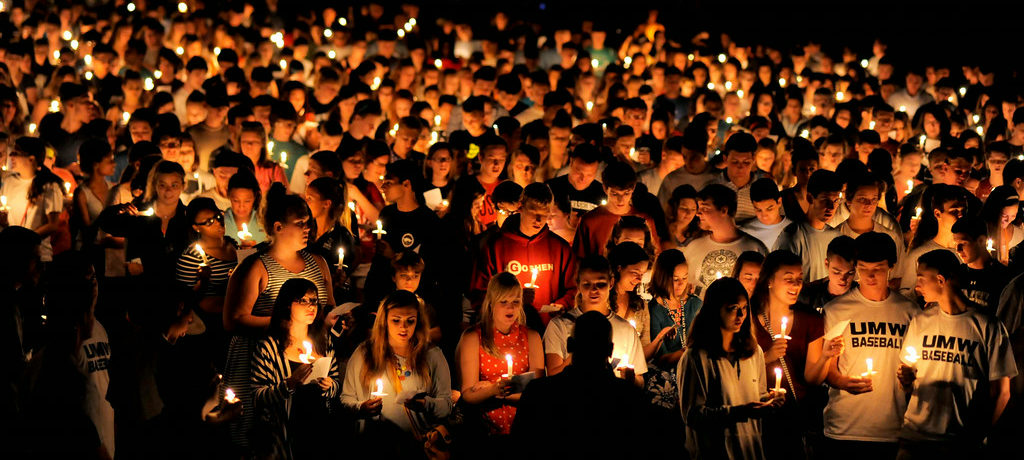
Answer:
(912, 356)
(3, 203)
(341, 257)
(202, 254)
(533, 277)
(380, 390)
(380, 229)
(508, 361)
(307, 356)
(782, 329)
(990, 245)
(917, 212)
(149, 212)
(870, 364)
(910, 186)
(718, 275)
(229, 396)
(244, 233)
(778, 378)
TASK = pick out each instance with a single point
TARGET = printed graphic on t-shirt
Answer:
(716, 264)
(878, 334)
(97, 356)
(516, 267)
(582, 207)
(951, 349)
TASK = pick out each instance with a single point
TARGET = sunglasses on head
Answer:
(219, 217)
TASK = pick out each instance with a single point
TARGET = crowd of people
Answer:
(262, 230)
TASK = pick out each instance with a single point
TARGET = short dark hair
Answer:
(875, 247)
(740, 143)
(585, 153)
(822, 181)
(944, 261)
(843, 247)
(618, 175)
(721, 195)
(539, 193)
(974, 228)
(764, 189)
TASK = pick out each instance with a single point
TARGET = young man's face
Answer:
(492, 162)
(929, 283)
(393, 189)
(739, 164)
(283, 129)
(619, 197)
(948, 215)
(967, 248)
(954, 172)
(522, 169)
(558, 139)
(873, 274)
(407, 279)
(533, 216)
(581, 174)
(823, 206)
(710, 215)
(768, 211)
(830, 156)
(840, 272)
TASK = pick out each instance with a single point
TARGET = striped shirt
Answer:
(270, 369)
(186, 272)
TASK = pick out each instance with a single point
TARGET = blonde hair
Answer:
(502, 286)
(160, 168)
(378, 357)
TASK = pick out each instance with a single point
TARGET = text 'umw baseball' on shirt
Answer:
(882, 334)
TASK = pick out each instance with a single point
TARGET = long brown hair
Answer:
(501, 286)
(378, 357)
(775, 261)
(706, 330)
(281, 316)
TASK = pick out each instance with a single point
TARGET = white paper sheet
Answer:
(837, 330)
(321, 367)
(433, 198)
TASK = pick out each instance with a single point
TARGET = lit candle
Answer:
(244, 233)
(444, 203)
(284, 160)
(380, 390)
(990, 245)
(590, 106)
(910, 185)
(508, 361)
(149, 85)
(870, 364)
(922, 139)
(633, 155)
(307, 356)
(604, 202)
(229, 396)
(976, 118)
(903, 108)
(624, 362)
(125, 116)
(182, 7)
(864, 63)
(912, 356)
(380, 229)
(778, 378)
(782, 329)
(437, 120)
(67, 187)
(341, 257)
(533, 277)
(595, 63)
(202, 254)
(438, 63)
(149, 212)
(871, 125)
(980, 130)
(718, 275)
(3, 203)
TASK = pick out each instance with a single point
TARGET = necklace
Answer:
(782, 359)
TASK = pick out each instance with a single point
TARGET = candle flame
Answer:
(990, 245)
(229, 396)
(870, 362)
(912, 355)
(917, 212)
(307, 356)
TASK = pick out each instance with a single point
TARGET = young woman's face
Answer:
(1007, 215)
(318, 206)
(505, 311)
(305, 308)
(187, 156)
(686, 211)
(105, 167)
(401, 324)
(594, 289)
(749, 273)
(252, 144)
(764, 158)
(353, 166)
(680, 280)
(733, 315)
(169, 187)
(631, 275)
(209, 224)
(785, 285)
(243, 201)
(294, 233)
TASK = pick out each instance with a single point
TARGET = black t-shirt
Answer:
(580, 201)
(410, 231)
(66, 144)
(983, 286)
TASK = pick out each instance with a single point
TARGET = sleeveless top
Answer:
(516, 343)
(237, 369)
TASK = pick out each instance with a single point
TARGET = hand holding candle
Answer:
(341, 258)
(244, 233)
(533, 278)
(380, 229)
(912, 356)
(870, 364)
(508, 363)
(380, 390)
(782, 329)
(778, 379)
(229, 396)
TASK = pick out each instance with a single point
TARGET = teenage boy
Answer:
(982, 276)
(769, 221)
(714, 254)
(810, 237)
(864, 411)
(671, 159)
(619, 180)
(283, 121)
(407, 272)
(959, 383)
(580, 186)
(862, 194)
(739, 173)
(840, 265)
(526, 243)
(493, 155)
(695, 172)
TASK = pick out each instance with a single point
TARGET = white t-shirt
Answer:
(810, 244)
(876, 331)
(910, 266)
(94, 359)
(22, 213)
(767, 234)
(959, 356)
(625, 341)
(297, 183)
(709, 260)
(899, 269)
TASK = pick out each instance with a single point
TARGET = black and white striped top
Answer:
(187, 272)
(270, 369)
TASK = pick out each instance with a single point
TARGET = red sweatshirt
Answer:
(513, 252)
(595, 229)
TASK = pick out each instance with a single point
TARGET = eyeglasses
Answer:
(219, 217)
(600, 286)
(308, 301)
